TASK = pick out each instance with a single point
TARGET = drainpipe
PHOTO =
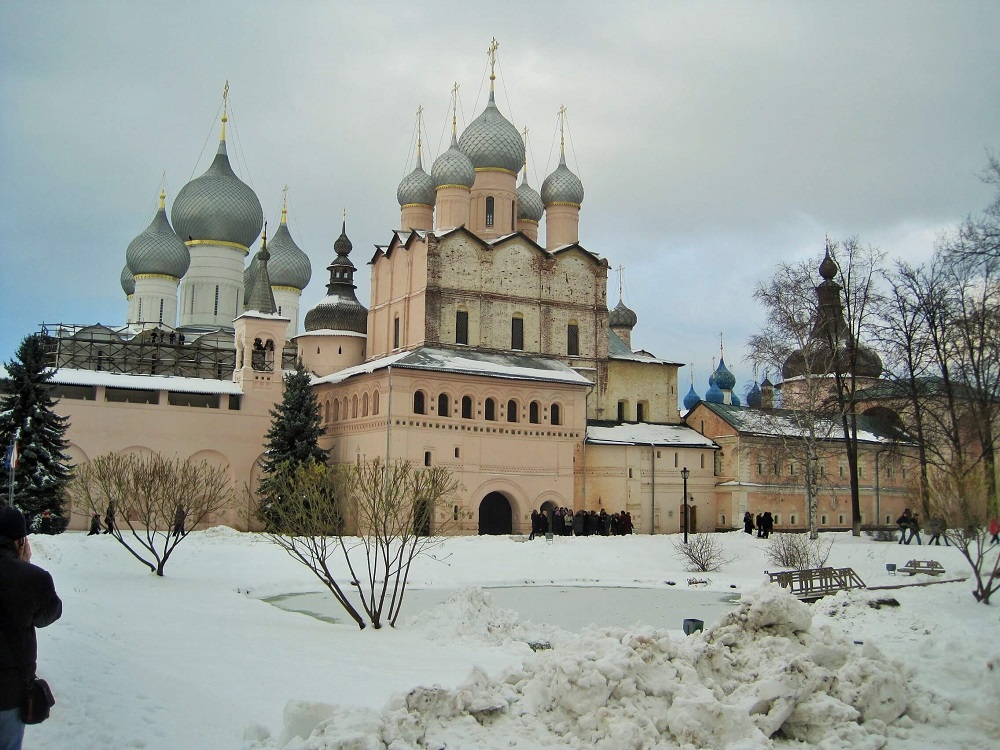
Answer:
(388, 419)
(583, 453)
(652, 487)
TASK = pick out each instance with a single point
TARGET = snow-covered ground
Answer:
(198, 660)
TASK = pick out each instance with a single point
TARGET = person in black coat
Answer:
(766, 524)
(748, 523)
(28, 600)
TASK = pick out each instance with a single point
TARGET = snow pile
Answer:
(762, 671)
(471, 616)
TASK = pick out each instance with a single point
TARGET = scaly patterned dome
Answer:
(622, 317)
(692, 399)
(492, 142)
(218, 206)
(529, 202)
(128, 281)
(562, 186)
(288, 265)
(724, 379)
(416, 188)
(754, 397)
(714, 394)
(453, 168)
(157, 249)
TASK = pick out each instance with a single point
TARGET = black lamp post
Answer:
(684, 475)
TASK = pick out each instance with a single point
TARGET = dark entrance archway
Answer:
(495, 516)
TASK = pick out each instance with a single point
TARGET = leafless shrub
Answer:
(798, 551)
(702, 553)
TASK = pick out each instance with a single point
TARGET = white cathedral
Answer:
(480, 350)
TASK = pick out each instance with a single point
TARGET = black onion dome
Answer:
(416, 188)
(453, 168)
(158, 250)
(492, 142)
(288, 265)
(562, 186)
(340, 309)
(529, 202)
(218, 206)
(622, 317)
(754, 397)
(127, 281)
(831, 347)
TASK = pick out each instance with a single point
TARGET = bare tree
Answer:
(703, 553)
(961, 500)
(158, 500)
(392, 508)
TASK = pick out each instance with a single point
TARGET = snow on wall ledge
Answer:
(762, 672)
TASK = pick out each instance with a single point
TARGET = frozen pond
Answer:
(568, 607)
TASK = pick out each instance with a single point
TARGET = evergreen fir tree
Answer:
(293, 438)
(26, 413)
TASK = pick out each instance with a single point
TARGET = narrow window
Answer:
(723, 520)
(573, 339)
(533, 412)
(840, 519)
(490, 409)
(702, 460)
(216, 300)
(640, 411)
(354, 406)
(489, 211)
(336, 410)
(554, 416)
(454, 513)
(140, 309)
(457, 454)
(364, 405)
(395, 332)
(419, 406)
(517, 332)
(443, 410)
(191, 311)
(760, 468)
(375, 403)
(161, 309)
(512, 411)
(675, 459)
(629, 472)
(791, 520)
(466, 408)
(622, 409)
(822, 520)
(461, 327)
(427, 458)
(513, 216)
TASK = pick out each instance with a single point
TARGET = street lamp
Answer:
(684, 475)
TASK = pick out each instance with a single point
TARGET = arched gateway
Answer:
(495, 516)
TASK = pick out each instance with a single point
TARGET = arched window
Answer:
(336, 409)
(375, 402)
(534, 410)
(573, 339)
(443, 405)
(490, 409)
(354, 406)
(466, 407)
(489, 210)
(554, 416)
(419, 403)
(364, 405)
(326, 411)
(512, 411)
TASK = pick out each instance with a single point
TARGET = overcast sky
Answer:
(713, 140)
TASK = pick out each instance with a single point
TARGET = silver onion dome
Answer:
(622, 317)
(453, 168)
(491, 141)
(219, 206)
(128, 281)
(529, 202)
(562, 186)
(416, 188)
(157, 250)
(288, 264)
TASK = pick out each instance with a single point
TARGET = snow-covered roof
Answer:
(330, 332)
(644, 433)
(619, 350)
(471, 362)
(792, 423)
(70, 376)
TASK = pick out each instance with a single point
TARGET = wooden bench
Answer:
(813, 583)
(930, 567)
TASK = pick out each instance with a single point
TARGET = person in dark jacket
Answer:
(28, 600)
(95, 525)
(748, 523)
(766, 524)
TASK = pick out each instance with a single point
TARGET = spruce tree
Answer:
(27, 414)
(293, 439)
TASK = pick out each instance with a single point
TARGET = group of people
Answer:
(763, 523)
(180, 517)
(909, 528)
(564, 522)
